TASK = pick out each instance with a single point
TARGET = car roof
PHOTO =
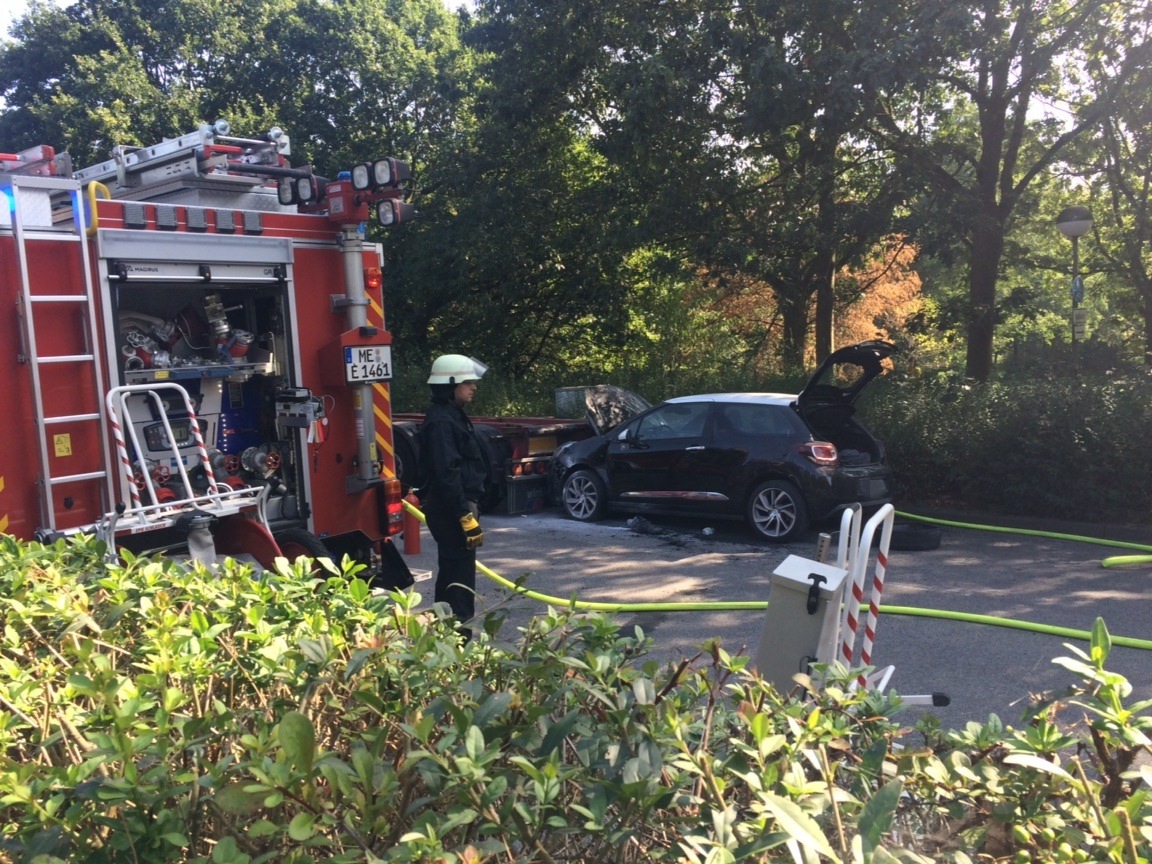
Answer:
(747, 398)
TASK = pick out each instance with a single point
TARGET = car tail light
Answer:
(822, 453)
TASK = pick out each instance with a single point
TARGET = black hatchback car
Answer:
(779, 461)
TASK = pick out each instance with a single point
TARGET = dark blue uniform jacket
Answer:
(451, 461)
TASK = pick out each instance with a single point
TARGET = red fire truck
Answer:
(200, 359)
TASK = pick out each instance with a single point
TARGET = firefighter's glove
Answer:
(473, 536)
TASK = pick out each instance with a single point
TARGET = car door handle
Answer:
(697, 447)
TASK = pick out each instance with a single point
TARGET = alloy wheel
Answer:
(581, 496)
(774, 512)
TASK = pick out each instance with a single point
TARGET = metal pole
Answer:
(352, 246)
(1075, 276)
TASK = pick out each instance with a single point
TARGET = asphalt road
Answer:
(982, 669)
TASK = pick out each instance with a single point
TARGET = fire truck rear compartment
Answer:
(253, 417)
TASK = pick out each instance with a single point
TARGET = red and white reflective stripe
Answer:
(198, 439)
(122, 450)
(848, 557)
(873, 611)
(851, 623)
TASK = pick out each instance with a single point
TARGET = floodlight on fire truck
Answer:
(311, 189)
(300, 190)
(381, 174)
(286, 192)
(393, 211)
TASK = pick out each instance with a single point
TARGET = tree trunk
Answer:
(824, 265)
(795, 340)
(987, 247)
(825, 301)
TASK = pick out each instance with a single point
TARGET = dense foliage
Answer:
(153, 713)
(1065, 448)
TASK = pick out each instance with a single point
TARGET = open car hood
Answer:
(827, 399)
(605, 405)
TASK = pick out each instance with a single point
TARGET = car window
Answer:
(679, 420)
(753, 421)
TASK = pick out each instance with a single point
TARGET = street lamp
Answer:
(1074, 222)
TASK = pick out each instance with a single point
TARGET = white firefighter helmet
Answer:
(456, 369)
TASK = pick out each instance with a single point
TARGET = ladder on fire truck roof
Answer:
(30, 209)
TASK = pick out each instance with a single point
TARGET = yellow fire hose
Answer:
(754, 605)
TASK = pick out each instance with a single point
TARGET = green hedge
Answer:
(1061, 448)
(150, 713)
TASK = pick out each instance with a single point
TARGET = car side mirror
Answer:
(629, 437)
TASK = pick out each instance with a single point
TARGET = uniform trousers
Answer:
(456, 573)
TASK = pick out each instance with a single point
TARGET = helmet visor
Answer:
(480, 369)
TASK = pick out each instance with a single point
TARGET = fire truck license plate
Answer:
(364, 364)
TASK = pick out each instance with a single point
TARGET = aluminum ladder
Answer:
(30, 209)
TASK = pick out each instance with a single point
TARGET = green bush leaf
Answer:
(1101, 642)
(233, 799)
(298, 738)
(474, 743)
(316, 651)
(557, 732)
(456, 817)
(263, 828)
(876, 817)
(302, 827)
(1030, 760)
(800, 826)
(493, 706)
(227, 852)
(358, 590)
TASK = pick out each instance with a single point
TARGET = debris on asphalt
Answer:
(642, 526)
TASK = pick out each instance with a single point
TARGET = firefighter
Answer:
(453, 467)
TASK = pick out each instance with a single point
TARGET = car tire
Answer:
(294, 542)
(776, 511)
(583, 496)
(914, 537)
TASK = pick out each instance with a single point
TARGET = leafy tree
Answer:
(878, 299)
(349, 80)
(562, 148)
(512, 254)
(1121, 181)
(360, 79)
(818, 193)
(97, 74)
(979, 135)
(528, 229)
(730, 134)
